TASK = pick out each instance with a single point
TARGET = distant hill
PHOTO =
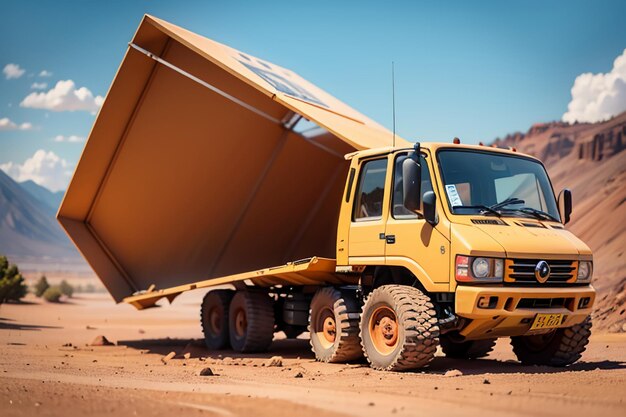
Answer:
(29, 232)
(48, 198)
(590, 159)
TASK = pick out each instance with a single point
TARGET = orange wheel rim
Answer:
(241, 323)
(326, 327)
(383, 330)
(215, 320)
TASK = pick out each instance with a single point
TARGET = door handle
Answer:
(391, 239)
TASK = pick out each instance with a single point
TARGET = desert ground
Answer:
(49, 368)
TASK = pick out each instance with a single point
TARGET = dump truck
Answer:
(209, 168)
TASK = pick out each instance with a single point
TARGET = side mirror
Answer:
(430, 208)
(565, 205)
(411, 183)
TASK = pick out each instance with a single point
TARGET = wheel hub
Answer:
(325, 326)
(389, 330)
(241, 323)
(383, 330)
(215, 320)
(330, 329)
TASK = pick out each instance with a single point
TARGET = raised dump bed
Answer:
(206, 162)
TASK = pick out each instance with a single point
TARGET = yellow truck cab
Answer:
(477, 232)
(209, 168)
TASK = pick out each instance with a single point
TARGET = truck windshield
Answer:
(489, 183)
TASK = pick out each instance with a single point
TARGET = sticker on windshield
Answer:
(453, 195)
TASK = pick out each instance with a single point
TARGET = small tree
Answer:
(66, 288)
(41, 286)
(52, 294)
(12, 286)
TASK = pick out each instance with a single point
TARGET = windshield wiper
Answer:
(509, 201)
(485, 209)
(542, 215)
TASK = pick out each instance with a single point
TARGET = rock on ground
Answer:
(274, 361)
(453, 373)
(166, 359)
(101, 341)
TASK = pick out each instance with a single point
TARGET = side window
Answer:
(398, 209)
(368, 202)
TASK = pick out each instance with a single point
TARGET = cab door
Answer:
(369, 212)
(415, 240)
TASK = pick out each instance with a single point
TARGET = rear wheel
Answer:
(470, 349)
(214, 318)
(399, 328)
(560, 347)
(334, 326)
(251, 321)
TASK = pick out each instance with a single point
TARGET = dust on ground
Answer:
(47, 368)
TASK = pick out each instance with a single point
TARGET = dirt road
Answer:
(41, 376)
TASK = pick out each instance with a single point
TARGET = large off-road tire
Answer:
(470, 349)
(560, 347)
(334, 326)
(214, 318)
(251, 321)
(399, 328)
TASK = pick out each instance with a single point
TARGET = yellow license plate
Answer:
(547, 321)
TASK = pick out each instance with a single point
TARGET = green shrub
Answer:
(53, 294)
(41, 286)
(12, 286)
(66, 288)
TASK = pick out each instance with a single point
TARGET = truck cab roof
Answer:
(433, 147)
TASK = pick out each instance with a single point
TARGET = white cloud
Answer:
(45, 73)
(71, 138)
(13, 71)
(45, 168)
(597, 97)
(64, 96)
(39, 86)
(8, 124)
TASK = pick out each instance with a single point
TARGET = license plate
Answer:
(547, 321)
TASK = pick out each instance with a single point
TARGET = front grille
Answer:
(522, 271)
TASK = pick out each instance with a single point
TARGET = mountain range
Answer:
(29, 233)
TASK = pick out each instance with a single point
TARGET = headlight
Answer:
(584, 271)
(478, 269)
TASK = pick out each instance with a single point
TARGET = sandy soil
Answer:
(41, 376)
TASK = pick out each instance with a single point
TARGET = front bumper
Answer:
(513, 309)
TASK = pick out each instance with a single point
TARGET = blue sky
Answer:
(476, 70)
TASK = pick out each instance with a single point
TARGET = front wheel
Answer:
(399, 328)
(560, 347)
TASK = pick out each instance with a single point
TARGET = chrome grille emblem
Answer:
(542, 271)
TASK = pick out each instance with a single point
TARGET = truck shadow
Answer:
(287, 348)
(300, 349)
(9, 324)
(440, 365)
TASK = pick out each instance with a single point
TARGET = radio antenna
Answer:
(393, 102)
